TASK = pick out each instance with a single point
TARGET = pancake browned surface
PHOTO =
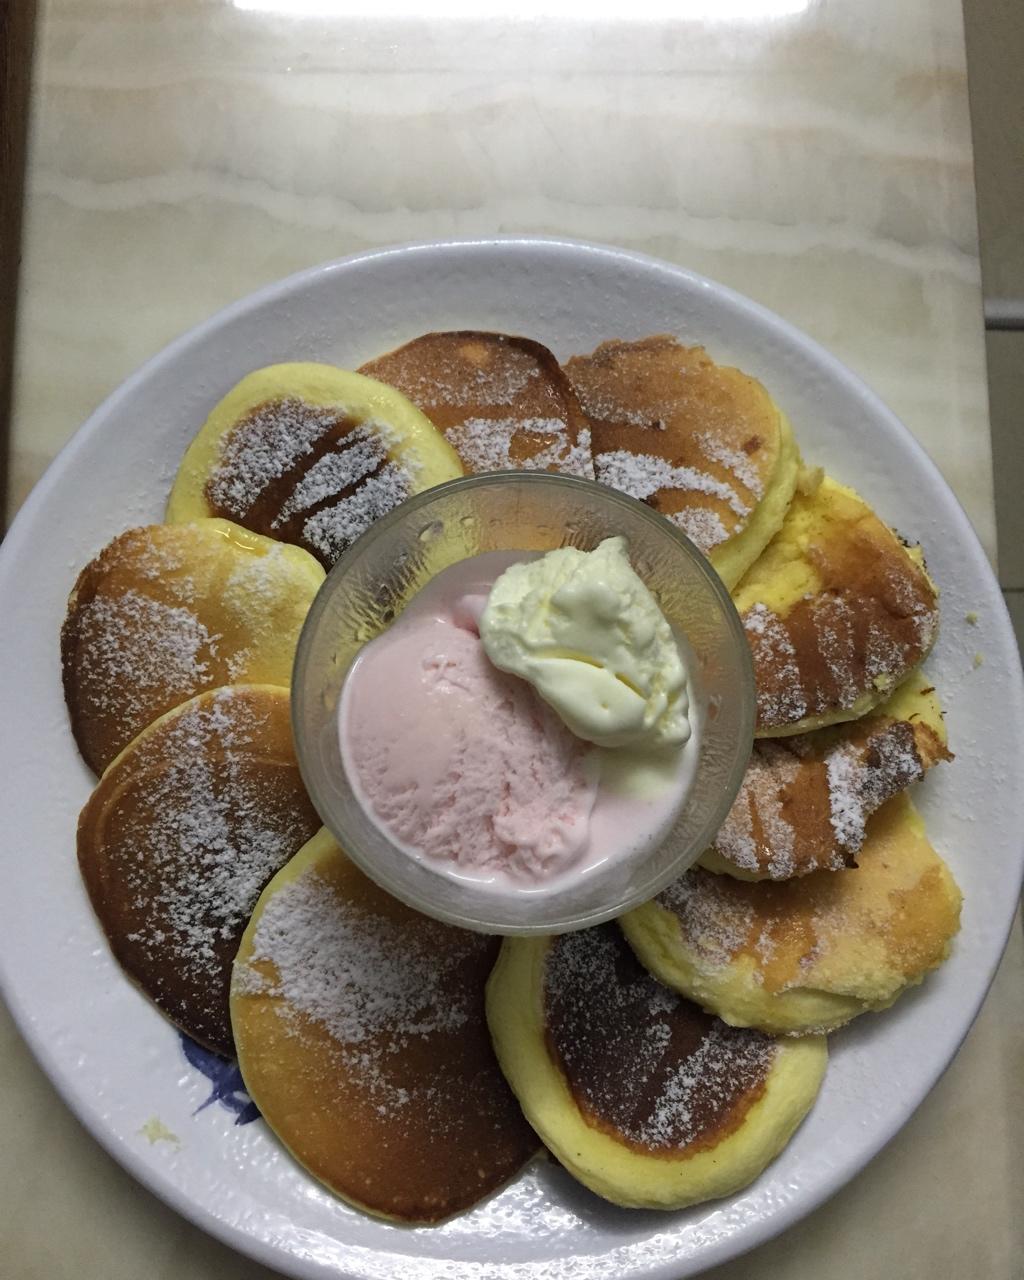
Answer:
(166, 611)
(805, 800)
(178, 839)
(644, 1098)
(309, 454)
(501, 401)
(837, 612)
(701, 443)
(809, 954)
(362, 1038)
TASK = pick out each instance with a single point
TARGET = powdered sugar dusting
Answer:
(846, 775)
(457, 384)
(884, 654)
(165, 611)
(850, 778)
(212, 836)
(361, 976)
(861, 778)
(602, 406)
(715, 922)
(485, 444)
(834, 632)
(264, 447)
(704, 528)
(642, 475)
(254, 597)
(925, 616)
(358, 455)
(333, 528)
(135, 650)
(258, 584)
(742, 466)
(893, 763)
(770, 845)
(373, 983)
(782, 700)
(833, 649)
(299, 457)
(646, 1061)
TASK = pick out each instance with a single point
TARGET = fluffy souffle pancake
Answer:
(166, 611)
(361, 1036)
(311, 455)
(805, 800)
(501, 401)
(806, 955)
(702, 443)
(180, 836)
(641, 1096)
(837, 611)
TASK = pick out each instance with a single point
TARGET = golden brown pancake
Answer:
(309, 454)
(166, 611)
(806, 955)
(837, 612)
(179, 838)
(361, 1037)
(805, 800)
(644, 1098)
(502, 402)
(701, 443)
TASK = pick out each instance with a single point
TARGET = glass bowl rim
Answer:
(406, 510)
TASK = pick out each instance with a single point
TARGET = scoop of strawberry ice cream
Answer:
(460, 762)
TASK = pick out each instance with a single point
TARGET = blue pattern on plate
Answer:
(225, 1079)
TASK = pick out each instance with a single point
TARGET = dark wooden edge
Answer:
(17, 32)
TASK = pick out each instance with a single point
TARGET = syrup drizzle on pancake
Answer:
(307, 475)
(640, 1060)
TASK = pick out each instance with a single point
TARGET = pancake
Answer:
(702, 443)
(644, 1098)
(180, 836)
(837, 611)
(807, 955)
(311, 455)
(166, 611)
(805, 800)
(361, 1037)
(501, 401)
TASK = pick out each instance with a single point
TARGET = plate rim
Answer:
(763, 1228)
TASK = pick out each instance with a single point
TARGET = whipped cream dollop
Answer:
(585, 631)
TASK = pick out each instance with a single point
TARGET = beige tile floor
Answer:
(995, 54)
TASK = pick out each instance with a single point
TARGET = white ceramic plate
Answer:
(120, 1066)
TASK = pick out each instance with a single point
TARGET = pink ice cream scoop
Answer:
(460, 762)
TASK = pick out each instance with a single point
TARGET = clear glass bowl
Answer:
(524, 511)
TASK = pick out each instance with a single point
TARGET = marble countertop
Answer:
(813, 154)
